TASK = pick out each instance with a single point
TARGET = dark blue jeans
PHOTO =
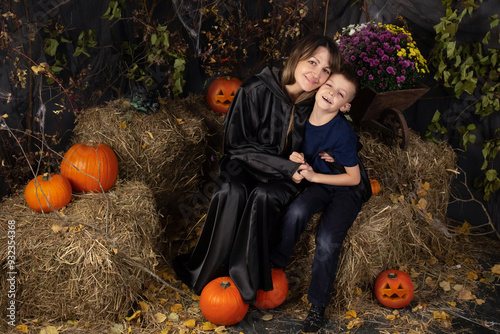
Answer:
(340, 208)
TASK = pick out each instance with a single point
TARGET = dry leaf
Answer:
(422, 204)
(430, 282)
(458, 287)
(350, 314)
(267, 317)
(160, 317)
(480, 301)
(142, 304)
(179, 121)
(496, 269)
(195, 297)
(390, 317)
(134, 316)
(472, 275)
(440, 315)
(221, 329)
(445, 285)
(49, 330)
(452, 304)
(190, 323)
(22, 328)
(208, 326)
(123, 124)
(176, 308)
(466, 295)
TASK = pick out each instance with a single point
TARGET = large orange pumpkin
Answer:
(275, 297)
(221, 302)
(90, 167)
(221, 92)
(48, 188)
(394, 288)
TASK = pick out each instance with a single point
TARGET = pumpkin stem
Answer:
(225, 284)
(46, 177)
(392, 275)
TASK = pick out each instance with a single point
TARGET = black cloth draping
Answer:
(254, 186)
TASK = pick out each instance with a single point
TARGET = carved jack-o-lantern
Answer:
(394, 288)
(221, 92)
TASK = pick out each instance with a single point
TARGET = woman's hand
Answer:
(323, 155)
(297, 157)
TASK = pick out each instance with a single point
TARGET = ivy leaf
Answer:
(491, 175)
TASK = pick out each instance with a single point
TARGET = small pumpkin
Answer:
(221, 302)
(221, 92)
(394, 288)
(48, 188)
(375, 185)
(275, 297)
(90, 166)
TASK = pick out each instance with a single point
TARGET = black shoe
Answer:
(315, 320)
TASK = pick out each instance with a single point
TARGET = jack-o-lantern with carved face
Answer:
(394, 288)
(221, 92)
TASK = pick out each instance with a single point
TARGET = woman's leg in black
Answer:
(249, 265)
(209, 259)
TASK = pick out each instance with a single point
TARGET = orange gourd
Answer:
(275, 297)
(375, 186)
(48, 188)
(221, 302)
(394, 288)
(221, 92)
(89, 167)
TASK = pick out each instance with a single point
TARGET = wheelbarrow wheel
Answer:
(395, 121)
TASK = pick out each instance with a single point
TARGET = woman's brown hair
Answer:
(304, 49)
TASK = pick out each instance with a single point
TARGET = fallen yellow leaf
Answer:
(267, 317)
(123, 124)
(496, 269)
(472, 275)
(134, 316)
(390, 317)
(179, 121)
(208, 326)
(190, 323)
(350, 314)
(150, 134)
(440, 315)
(480, 301)
(176, 308)
(452, 304)
(22, 328)
(195, 297)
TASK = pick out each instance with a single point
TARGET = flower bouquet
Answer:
(384, 56)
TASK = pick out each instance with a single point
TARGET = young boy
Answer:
(326, 131)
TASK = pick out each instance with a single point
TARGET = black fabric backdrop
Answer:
(104, 80)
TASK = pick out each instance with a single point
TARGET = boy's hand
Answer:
(323, 155)
(298, 175)
(309, 175)
(297, 157)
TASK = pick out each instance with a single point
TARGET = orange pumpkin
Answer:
(394, 288)
(221, 302)
(375, 186)
(89, 167)
(221, 92)
(275, 297)
(48, 188)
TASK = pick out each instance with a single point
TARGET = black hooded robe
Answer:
(255, 185)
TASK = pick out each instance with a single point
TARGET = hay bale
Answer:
(168, 150)
(400, 227)
(87, 266)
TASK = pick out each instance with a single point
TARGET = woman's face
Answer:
(312, 72)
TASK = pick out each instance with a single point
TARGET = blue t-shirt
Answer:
(336, 136)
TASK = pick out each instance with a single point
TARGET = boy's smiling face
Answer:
(335, 94)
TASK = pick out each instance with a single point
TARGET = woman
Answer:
(263, 125)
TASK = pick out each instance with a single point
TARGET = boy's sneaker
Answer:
(315, 320)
